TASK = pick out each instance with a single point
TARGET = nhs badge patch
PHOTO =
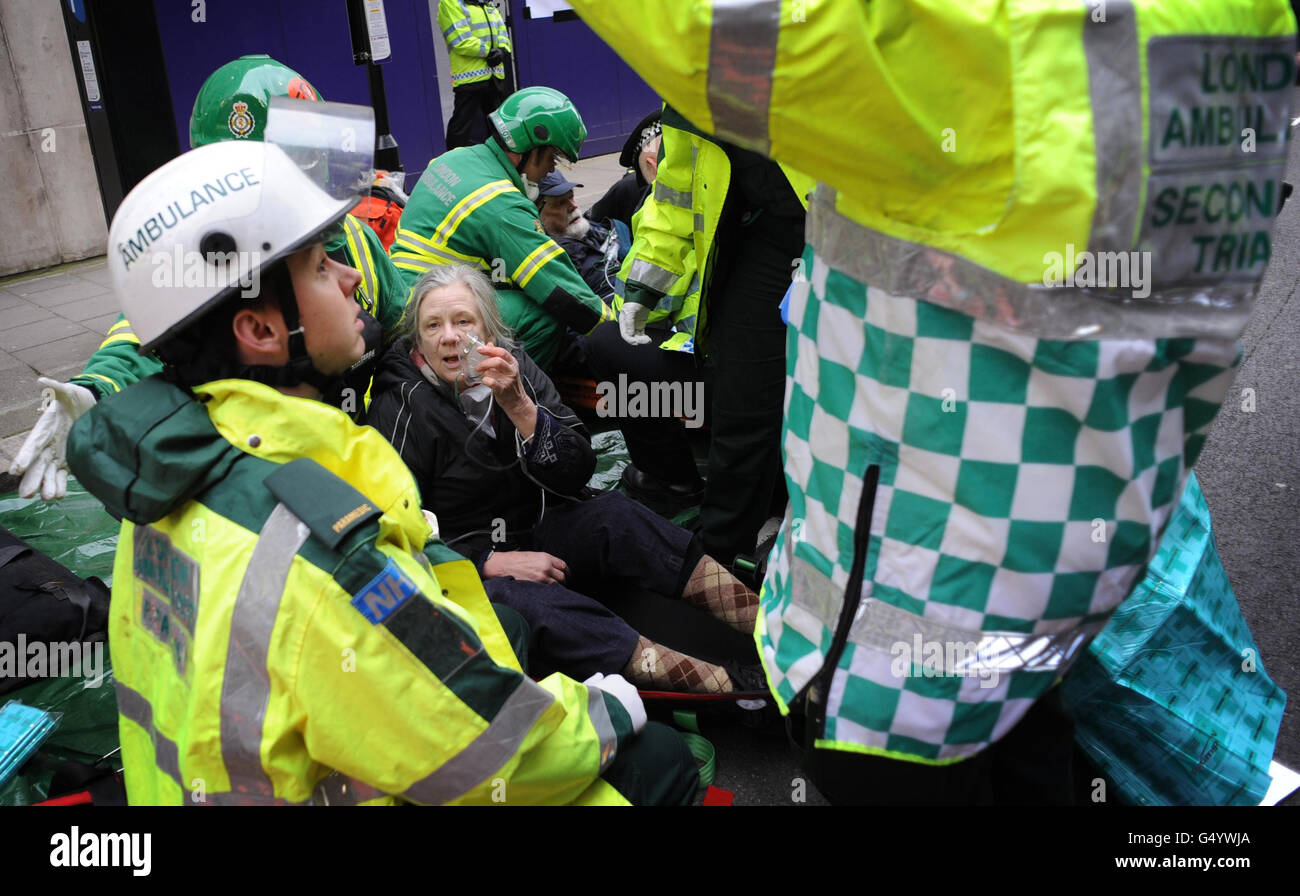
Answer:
(385, 593)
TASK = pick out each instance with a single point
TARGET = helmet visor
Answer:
(332, 143)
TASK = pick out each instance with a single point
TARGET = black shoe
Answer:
(747, 678)
(651, 488)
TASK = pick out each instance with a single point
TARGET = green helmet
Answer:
(539, 116)
(231, 104)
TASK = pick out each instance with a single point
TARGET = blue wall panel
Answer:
(566, 54)
(310, 36)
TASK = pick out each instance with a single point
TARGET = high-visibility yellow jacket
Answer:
(472, 30)
(669, 265)
(1038, 232)
(280, 636)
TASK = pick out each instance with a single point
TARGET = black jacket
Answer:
(470, 484)
(587, 256)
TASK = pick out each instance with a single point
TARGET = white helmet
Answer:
(203, 225)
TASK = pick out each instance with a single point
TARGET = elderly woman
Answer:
(503, 464)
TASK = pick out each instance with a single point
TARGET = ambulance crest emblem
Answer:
(241, 121)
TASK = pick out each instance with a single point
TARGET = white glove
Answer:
(625, 693)
(432, 521)
(632, 319)
(44, 456)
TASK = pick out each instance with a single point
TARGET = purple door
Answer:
(562, 52)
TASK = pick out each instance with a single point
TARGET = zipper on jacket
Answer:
(819, 692)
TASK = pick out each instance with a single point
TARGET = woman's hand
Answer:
(530, 566)
(500, 372)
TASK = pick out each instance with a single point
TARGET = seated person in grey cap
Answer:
(596, 250)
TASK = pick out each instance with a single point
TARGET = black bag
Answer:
(42, 600)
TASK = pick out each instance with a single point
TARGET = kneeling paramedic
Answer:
(233, 104)
(279, 632)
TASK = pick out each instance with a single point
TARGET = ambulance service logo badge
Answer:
(241, 121)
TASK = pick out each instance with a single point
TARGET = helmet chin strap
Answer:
(300, 368)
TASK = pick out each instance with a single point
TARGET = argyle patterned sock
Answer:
(656, 666)
(712, 587)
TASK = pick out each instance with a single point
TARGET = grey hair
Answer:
(485, 298)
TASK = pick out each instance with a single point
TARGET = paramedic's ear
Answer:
(260, 334)
(648, 159)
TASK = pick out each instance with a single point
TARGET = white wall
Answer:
(52, 212)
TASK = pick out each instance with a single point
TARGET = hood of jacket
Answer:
(147, 450)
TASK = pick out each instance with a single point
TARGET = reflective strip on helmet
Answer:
(488, 752)
(133, 706)
(742, 57)
(651, 275)
(904, 268)
(359, 249)
(679, 198)
(533, 263)
(245, 686)
(598, 712)
(1114, 73)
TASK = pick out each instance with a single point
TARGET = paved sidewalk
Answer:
(51, 322)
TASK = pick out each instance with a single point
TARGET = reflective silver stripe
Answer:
(699, 223)
(246, 686)
(599, 715)
(334, 790)
(361, 252)
(1114, 84)
(665, 193)
(881, 626)
(921, 272)
(742, 57)
(487, 752)
(131, 704)
(651, 275)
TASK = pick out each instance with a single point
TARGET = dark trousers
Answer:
(657, 445)
(746, 352)
(609, 542)
(1030, 766)
(468, 125)
(655, 768)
